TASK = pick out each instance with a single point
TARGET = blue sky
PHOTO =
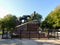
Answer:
(26, 7)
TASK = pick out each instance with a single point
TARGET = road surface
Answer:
(28, 42)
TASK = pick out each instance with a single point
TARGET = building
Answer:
(26, 30)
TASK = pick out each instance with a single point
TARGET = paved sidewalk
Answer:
(28, 42)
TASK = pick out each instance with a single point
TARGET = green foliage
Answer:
(33, 16)
(36, 16)
(53, 18)
(2, 24)
(0, 33)
(8, 22)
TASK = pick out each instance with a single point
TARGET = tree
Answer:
(53, 18)
(8, 23)
(11, 21)
(36, 16)
(2, 26)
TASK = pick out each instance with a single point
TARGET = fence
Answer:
(38, 34)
